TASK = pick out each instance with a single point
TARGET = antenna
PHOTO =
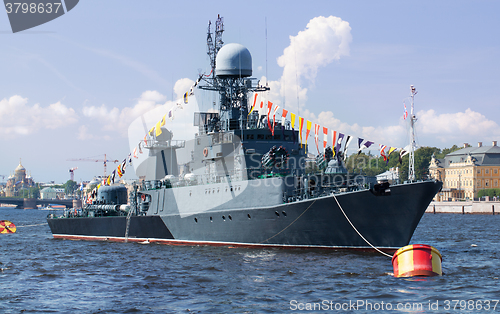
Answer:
(413, 119)
(213, 46)
(267, 78)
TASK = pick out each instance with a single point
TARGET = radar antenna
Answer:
(233, 86)
(413, 119)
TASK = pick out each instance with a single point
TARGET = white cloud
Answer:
(114, 119)
(432, 128)
(391, 135)
(18, 118)
(324, 40)
(181, 86)
(118, 120)
(83, 133)
(460, 126)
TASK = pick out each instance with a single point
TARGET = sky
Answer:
(70, 88)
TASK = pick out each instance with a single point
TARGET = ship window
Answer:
(250, 136)
(277, 137)
(211, 219)
(277, 214)
(224, 218)
(198, 141)
(260, 136)
(195, 219)
(269, 137)
(284, 213)
(287, 137)
(230, 218)
(249, 217)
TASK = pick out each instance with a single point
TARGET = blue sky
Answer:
(71, 87)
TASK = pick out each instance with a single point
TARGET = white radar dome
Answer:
(233, 60)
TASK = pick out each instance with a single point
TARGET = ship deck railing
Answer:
(152, 143)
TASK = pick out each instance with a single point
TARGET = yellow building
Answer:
(467, 171)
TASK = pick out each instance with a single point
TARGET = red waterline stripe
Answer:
(214, 243)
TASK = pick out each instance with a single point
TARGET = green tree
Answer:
(372, 165)
(33, 192)
(423, 157)
(70, 186)
(366, 164)
(488, 192)
(446, 151)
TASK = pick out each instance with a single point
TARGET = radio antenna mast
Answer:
(413, 119)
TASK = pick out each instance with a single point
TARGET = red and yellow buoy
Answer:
(417, 260)
(7, 227)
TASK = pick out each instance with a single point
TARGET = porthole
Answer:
(211, 219)
(277, 214)
(284, 213)
(224, 218)
(249, 217)
(229, 216)
(195, 219)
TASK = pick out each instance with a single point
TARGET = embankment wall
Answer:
(483, 207)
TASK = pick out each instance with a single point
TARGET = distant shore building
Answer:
(18, 181)
(467, 171)
(48, 193)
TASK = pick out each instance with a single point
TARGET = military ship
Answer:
(243, 180)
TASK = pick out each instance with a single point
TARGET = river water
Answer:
(40, 274)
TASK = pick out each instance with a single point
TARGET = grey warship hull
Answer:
(246, 177)
(386, 221)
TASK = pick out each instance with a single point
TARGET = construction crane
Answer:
(72, 173)
(93, 159)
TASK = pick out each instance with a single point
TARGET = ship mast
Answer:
(413, 119)
(214, 47)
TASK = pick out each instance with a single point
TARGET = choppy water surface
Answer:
(42, 274)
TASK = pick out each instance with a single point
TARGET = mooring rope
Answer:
(290, 223)
(375, 248)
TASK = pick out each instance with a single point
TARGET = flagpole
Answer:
(413, 119)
